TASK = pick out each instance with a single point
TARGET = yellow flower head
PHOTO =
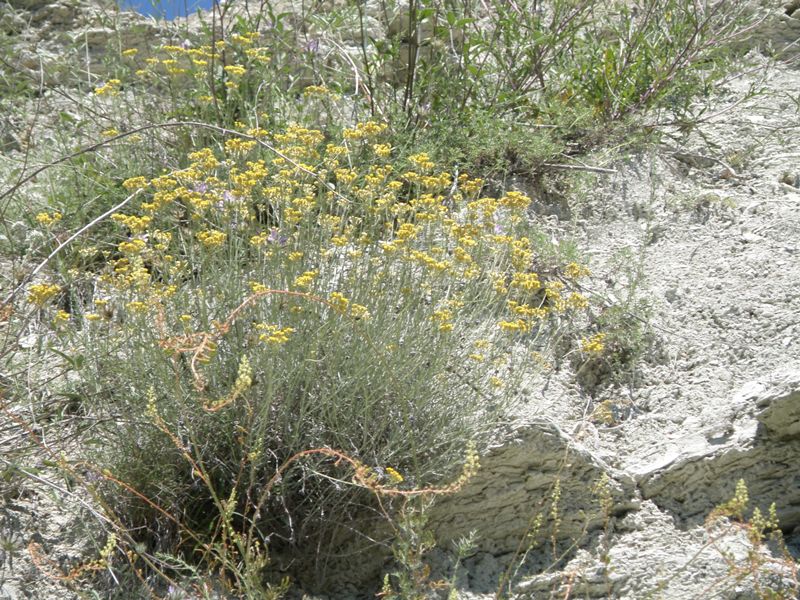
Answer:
(382, 150)
(316, 90)
(394, 476)
(61, 317)
(593, 345)
(339, 302)
(212, 238)
(273, 334)
(235, 70)
(421, 161)
(46, 219)
(134, 246)
(306, 279)
(40, 293)
(134, 183)
(364, 131)
(111, 88)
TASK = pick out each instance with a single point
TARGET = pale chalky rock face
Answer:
(758, 444)
(55, 38)
(779, 406)
(517, 481)
(28, 4)
(779, 31)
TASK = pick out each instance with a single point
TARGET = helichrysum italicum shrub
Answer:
(261, 303)
(275, 290)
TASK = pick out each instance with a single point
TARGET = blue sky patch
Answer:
(166, 9)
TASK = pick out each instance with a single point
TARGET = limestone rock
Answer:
(645, 555)
(515, 483)
(779, 407)
(11, 21)
(778, 32)
(28, 4)
(760, 444)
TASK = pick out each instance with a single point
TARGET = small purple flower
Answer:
(201, 187)
(498, 230)
(312, 46)
(228, 197)
(275, 237)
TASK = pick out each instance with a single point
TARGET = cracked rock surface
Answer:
(709, 226)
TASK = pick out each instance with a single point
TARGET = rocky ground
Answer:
(699, 239)
(707, 228)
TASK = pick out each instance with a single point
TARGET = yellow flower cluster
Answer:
(39, 293)
(258, 55)
(382, 150)
(61, 317)
(519, 325)
(135, 224)
(136, 306)
(528, 282)
(212, 238)
(134, 246)
(257, 132)
(421, 161)
(429, 261)
(245, 39)
(319, 91)
(273, 334)
(394, 476)
(342, 305)
(575, 271)
(239, 145)
(444, 317)
(297, 136)
(305, 280)
(135, 183)
(364, 131)
(594, 344)
(470, 186)
(526, 311)
(339, 302)
(577, 301)
(552, 291)
(235, 70)
(515, 201)
(48, 219)
(110, 88)
(128, 272)
(185, 60)
(203, 160)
